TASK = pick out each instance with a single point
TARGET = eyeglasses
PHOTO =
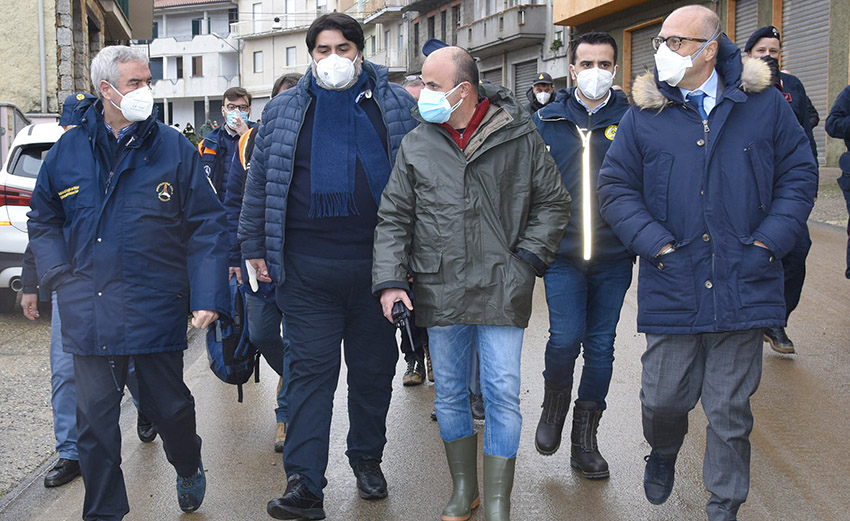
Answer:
(673, 42)
(413, 77)
(243, 108)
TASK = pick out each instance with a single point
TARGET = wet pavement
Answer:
(800, 459)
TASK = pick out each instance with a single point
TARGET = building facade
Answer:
(512, 40)
(271, 35)
(47, 47)
(815, 40)
(193, 59)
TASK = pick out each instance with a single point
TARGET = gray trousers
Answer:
(724, 369)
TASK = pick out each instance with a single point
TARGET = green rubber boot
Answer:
(498, 482)
(462, 456)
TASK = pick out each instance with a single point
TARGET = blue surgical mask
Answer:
(231, 118)
(434, 106)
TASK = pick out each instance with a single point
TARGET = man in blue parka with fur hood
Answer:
(130, 235)
(321, 160)
(709, 181)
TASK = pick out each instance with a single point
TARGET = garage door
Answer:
(805, 45)
(746, 20)
(642, 53)
(493, 76)
(524, 74)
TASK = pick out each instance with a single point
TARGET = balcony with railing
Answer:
(193, 87)
(392, 58)
(382, 11)
(283, 23)
(505, 31)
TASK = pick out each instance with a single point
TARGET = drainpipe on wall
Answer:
(42, 58)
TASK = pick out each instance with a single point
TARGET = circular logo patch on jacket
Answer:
(164, 191)
(610, 132)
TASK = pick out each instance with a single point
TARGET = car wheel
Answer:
(8, 299)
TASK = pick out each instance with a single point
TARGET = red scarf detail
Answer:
(477, 116)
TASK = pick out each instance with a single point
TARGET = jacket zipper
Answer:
(587, 230)
(120, 160)
(705, 132)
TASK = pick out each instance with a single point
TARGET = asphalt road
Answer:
(800, 459)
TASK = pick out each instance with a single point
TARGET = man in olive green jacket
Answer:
(474, 208)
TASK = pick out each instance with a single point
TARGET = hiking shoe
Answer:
(415, 374)
(63, 472)
(297, 502)
(370, 479)
(280, 438)
(191, 490)
(658, 477)
(778, 340)
(145, 428)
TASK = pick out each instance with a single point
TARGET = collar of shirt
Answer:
(121, 133)
(598, 107)
(709, 88)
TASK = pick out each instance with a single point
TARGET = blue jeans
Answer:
(268, 333)
(499, 350)
(328, 302)
(585, 299)
(63, 393)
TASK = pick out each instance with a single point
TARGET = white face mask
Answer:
(671, 66)
(335, 72)
(543, 97)
(595, 83)
(136, 105)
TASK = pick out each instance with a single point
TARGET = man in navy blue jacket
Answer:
(765, 41)
(321, 160)
(129, 234)
(219, 148)
(587, 283)
(710, 182)
(838, 126)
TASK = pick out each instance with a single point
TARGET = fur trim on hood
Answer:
(646, 94)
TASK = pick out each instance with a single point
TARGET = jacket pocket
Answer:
(657, 184)
(760, 277)
(763, 178)
(426, 265)
(667, 284)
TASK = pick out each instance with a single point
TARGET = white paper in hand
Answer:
(252, 277)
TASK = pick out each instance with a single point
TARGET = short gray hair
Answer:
(104, 66)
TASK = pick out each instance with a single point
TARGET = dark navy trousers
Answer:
(328, 302)
(844, 184)
(163, 398)
(794, 266)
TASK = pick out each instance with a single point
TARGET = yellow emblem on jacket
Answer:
(71, 190)
(164, 191)
(610, 132)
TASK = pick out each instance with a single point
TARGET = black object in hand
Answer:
(401, 319)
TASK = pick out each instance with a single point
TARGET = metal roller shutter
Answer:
(494, 76)
(746, 20)
(805, 45)
(524, 74)
(643, 55)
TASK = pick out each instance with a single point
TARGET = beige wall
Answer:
(21, 79)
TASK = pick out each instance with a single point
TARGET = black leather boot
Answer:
(556, 404)
(585, 454)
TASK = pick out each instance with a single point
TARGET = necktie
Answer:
(697, 96)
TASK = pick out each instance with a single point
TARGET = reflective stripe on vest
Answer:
(586, 192)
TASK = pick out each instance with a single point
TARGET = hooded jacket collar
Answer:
(739, 78)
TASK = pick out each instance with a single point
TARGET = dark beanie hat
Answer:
(764, 32)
